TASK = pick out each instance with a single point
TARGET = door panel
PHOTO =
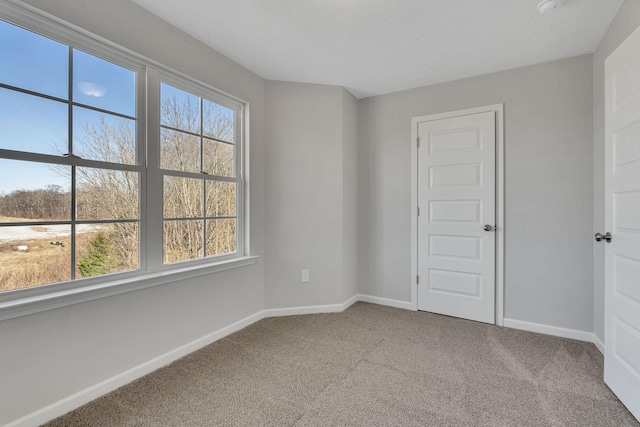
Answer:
(622, 219)
(455, 247)
(456, 196)
(448, 211)
(454, 175)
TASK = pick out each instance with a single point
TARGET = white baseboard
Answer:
(599, 344)
(80, 398)
(311, 309)
(550, 330)
(556, 331)
(386, 301)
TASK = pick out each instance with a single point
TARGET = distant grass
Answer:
(13, 219)
(40, 229)
(43, 263)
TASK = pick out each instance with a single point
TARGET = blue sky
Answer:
(35, 124)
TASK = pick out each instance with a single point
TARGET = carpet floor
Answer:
(369, 366)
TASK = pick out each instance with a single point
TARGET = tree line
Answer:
(50, 203)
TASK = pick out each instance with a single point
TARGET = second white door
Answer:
(456, 223)
(622, 218)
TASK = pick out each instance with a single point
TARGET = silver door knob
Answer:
(487, 227)
(600, 237)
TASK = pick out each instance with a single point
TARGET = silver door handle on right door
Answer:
(600, 237)
(487, 227)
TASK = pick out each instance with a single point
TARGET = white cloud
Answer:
(92, 89)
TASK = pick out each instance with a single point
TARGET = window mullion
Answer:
(195, 175)
(240, 151)
(73, 222)
(142, 163)
(154, 176)
(70, 103)
(73, 167)
(204, 183)
(204, 220)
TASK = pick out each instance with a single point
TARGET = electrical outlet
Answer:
(305, 275)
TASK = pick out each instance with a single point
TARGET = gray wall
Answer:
(52, 355)
(311, 184)
(350, 194)
(627, 20)
(549, 206)
(332, 194)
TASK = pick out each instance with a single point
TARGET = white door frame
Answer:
(499, 111)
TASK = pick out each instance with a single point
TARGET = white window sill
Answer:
(51, 300)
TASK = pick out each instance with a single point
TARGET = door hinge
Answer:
(418, 210)
(417, 280)
(418, 142)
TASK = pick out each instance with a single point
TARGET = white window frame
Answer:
(151, 271)
(188, 85)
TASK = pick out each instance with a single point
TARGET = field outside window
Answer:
(76, 171)
(59, 106)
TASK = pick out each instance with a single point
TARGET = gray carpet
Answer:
(370, 366)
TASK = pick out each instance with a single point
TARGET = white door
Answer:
(622, 218)
(456, 225)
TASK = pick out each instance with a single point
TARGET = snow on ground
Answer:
(28, 232)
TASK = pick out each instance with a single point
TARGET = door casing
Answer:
(500, 226)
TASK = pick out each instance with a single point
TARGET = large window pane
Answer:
(31, 123)
(106, 194)
(183, 240)
(221, 236)
(183, 197)
(217, 121)
(214, 153)
(106, 248)
(218, 158)
(31, 256)
(179, 109)
(32, 191)
(102, 84)
(30, 61)
(179, 151)
(103, 137)
(221, 198)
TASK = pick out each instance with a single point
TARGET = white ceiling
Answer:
(373, 47)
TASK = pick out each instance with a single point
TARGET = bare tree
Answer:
(49, 203)
(110, 194)
(106, 194)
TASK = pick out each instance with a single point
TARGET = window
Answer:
(78, 178)
(200, 180)
(69, 187)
